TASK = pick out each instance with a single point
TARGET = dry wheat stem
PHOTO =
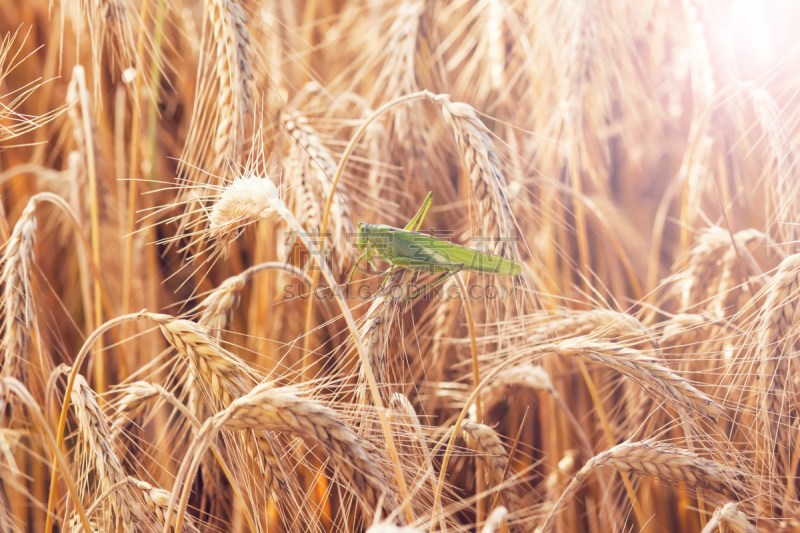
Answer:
(91, 166)
(658, 460)
(133, 167)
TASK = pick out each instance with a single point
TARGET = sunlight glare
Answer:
(750, 28)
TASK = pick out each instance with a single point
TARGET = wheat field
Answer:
(183, 347)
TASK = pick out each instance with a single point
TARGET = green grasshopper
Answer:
(407, 248)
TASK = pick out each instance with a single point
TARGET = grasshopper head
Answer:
(362, 240)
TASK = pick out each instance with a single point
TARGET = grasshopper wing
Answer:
(420, 251)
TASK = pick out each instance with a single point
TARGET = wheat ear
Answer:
(220, 370)
(775, 340)
(217, 307)
(17, 294)
(402, 413)
(602, 324)
(284, 410)
(648, 372)
(95, 439)
(310, 169)
(485, 440)
(657, 460)
(486, 176)
(235, 76)
(377, 328)
(729, 517)
(154, 498)
(245, 200)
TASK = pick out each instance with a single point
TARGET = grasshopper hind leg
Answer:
(436, 283)
(416, 222)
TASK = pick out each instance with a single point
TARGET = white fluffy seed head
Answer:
(247, 199)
